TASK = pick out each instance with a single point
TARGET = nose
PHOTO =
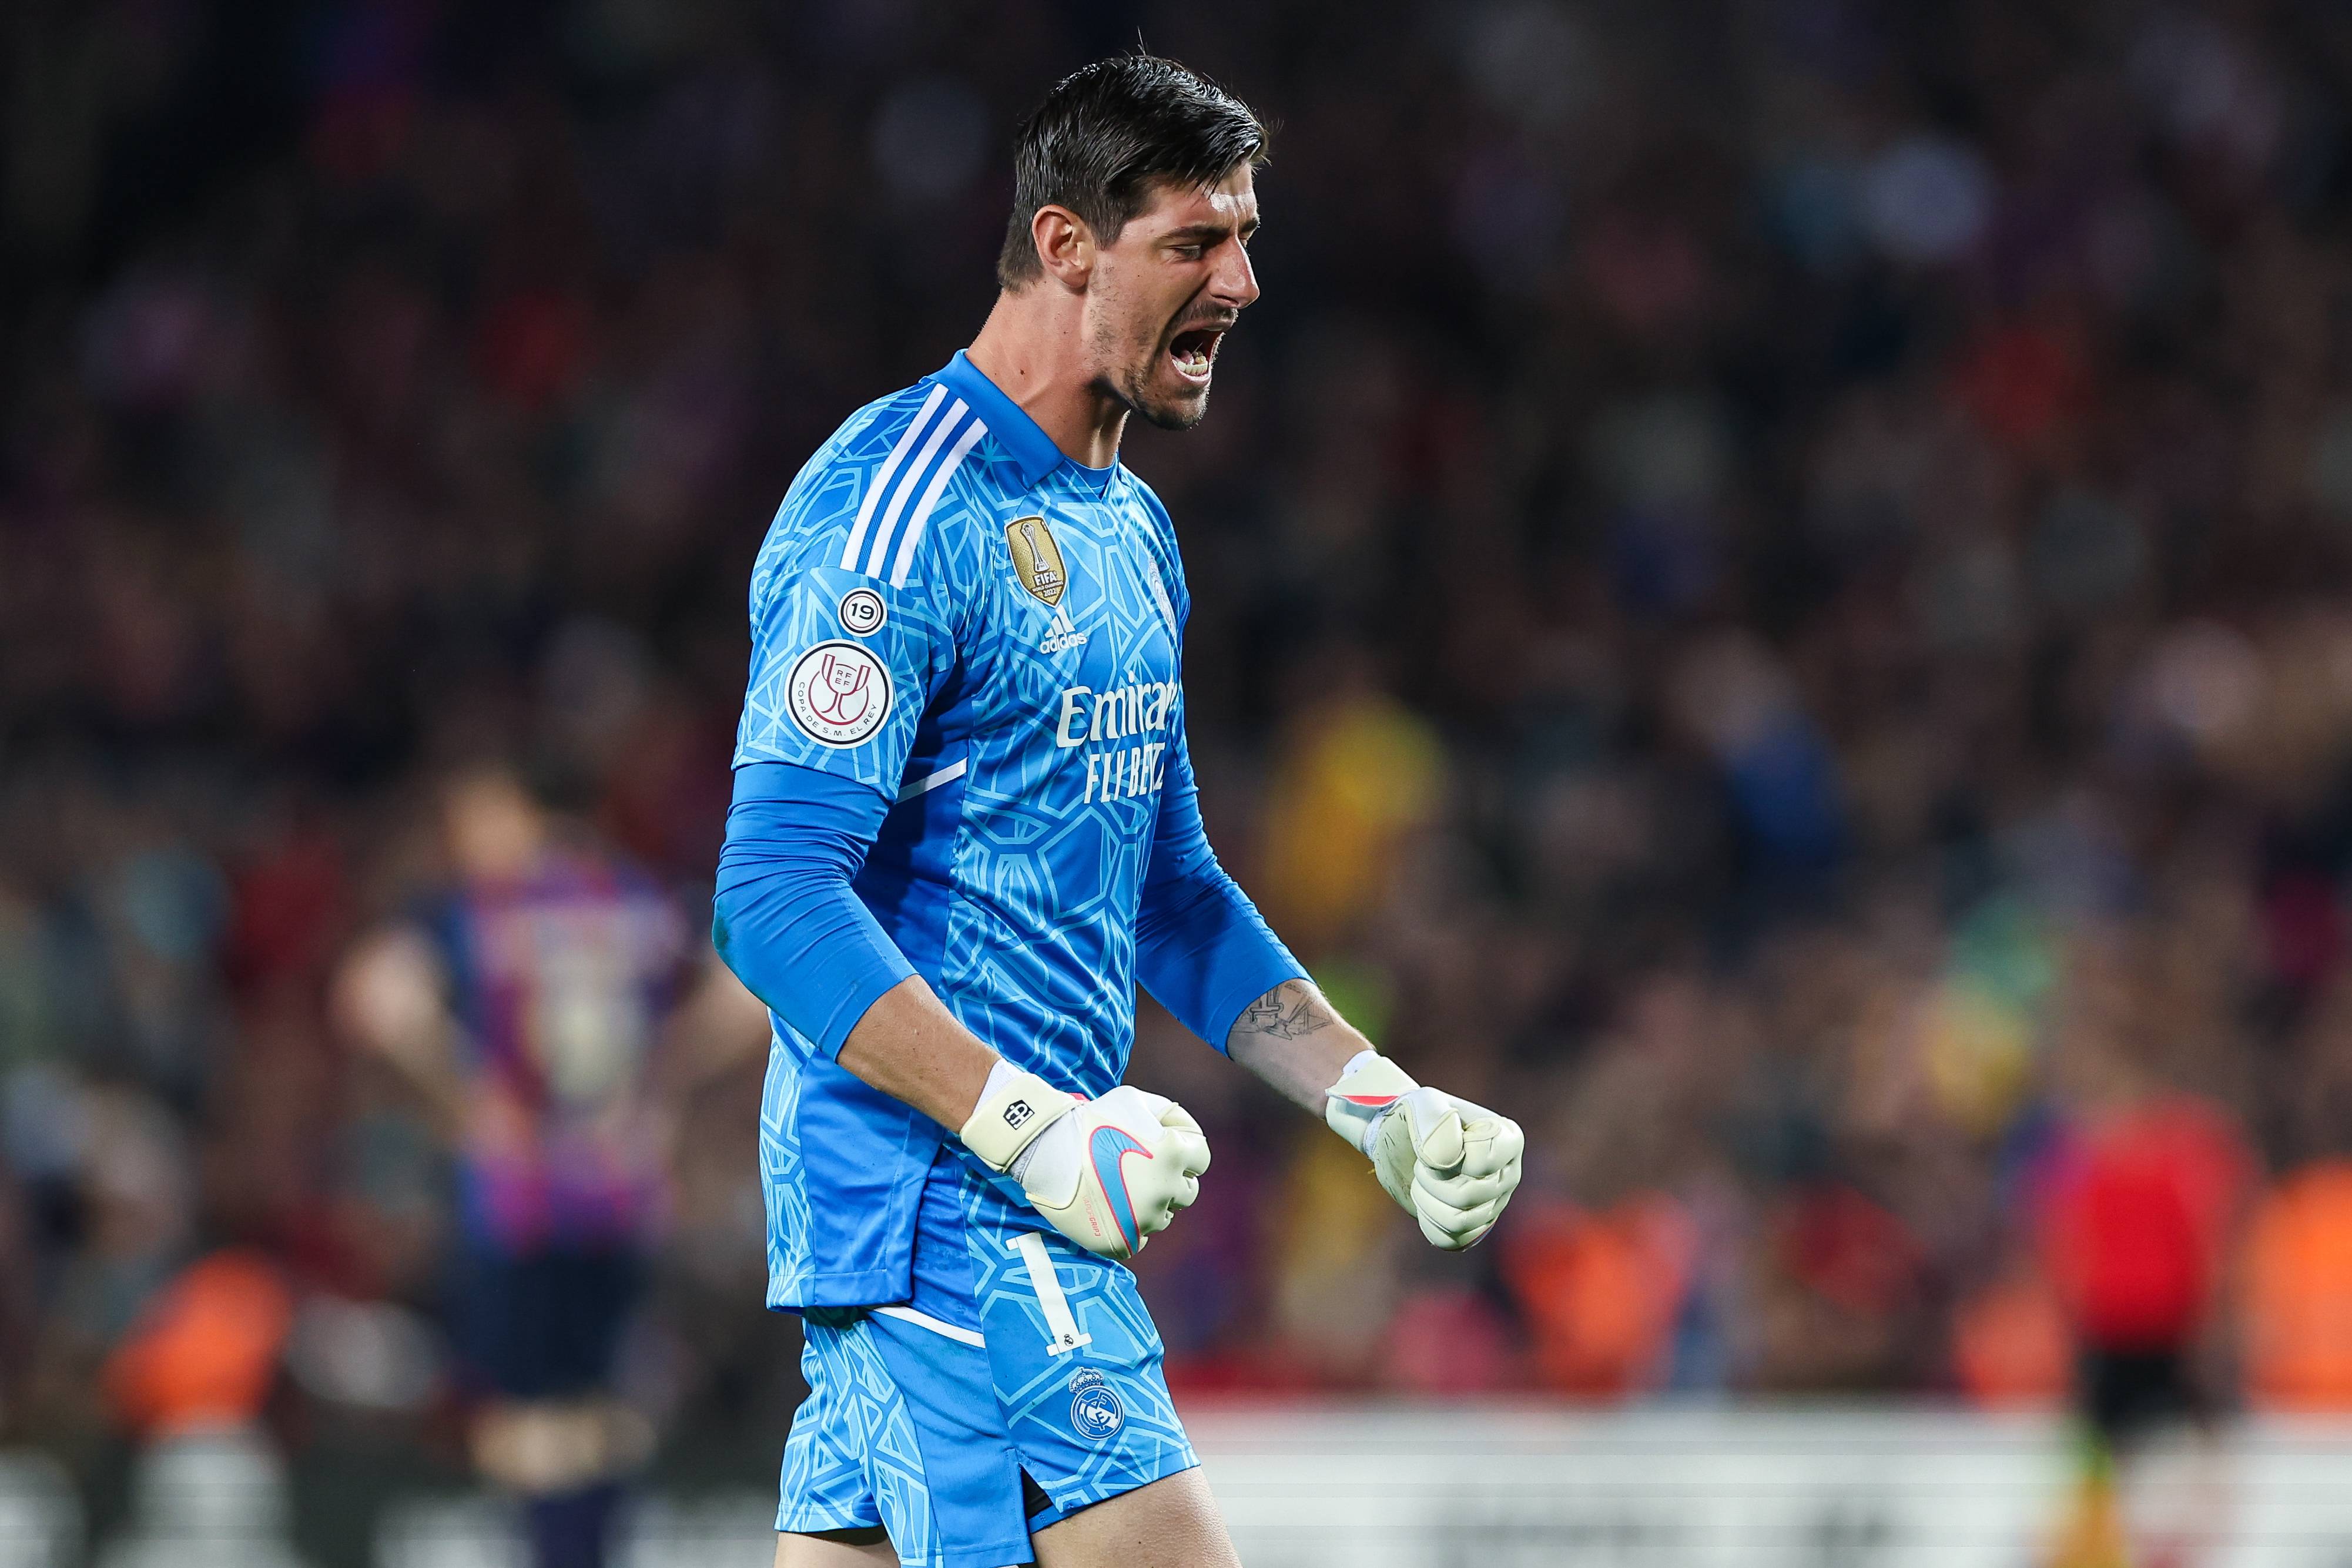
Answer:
(1235, 283)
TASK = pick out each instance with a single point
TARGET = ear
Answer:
(1066, 246)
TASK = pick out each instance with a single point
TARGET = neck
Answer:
(1031, 347)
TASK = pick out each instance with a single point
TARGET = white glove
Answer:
(1108, 1173)
(1451, 1163)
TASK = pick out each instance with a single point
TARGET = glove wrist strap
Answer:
(1015, 1108)
(1049, 1168)
(1367, 1091)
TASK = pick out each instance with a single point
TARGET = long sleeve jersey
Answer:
(962, 756)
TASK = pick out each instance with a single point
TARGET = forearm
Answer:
(388, 996)
(1451, 1165)
(1296, 1040)
(910, 1047)
(1200, 947)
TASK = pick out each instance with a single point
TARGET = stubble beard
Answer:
(1133, 385)
(1166, 416)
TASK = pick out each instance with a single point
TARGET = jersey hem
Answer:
(813, 1519)
(1019, 1554)
(846, 1287)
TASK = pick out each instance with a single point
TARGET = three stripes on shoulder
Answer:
(917, 453)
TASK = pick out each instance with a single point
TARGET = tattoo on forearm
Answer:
(1288, 1011)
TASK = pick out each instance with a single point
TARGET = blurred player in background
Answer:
(526, 1003)
(2141, 1199)
(965, 828)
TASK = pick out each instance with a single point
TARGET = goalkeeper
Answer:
(964, 830)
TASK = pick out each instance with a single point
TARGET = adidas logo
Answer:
(1062, 634)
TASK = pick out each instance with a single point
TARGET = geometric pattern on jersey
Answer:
(851, 1440)
(1035, 1388)
(1021, 746)
(928, 1434)
(784, 1185)
(853, 1459)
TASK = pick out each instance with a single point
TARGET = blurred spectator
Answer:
(193, 1378)
(2139, 1207)
(2299, 1293)
(205, 1352)
(1357, 774)
(1603, 1294)
(2011, 1345)
(2135, 1230)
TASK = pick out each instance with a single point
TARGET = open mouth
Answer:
(1194, 352)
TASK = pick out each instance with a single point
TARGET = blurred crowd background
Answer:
(1771, 597)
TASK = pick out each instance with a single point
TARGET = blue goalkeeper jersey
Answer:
(949, 613)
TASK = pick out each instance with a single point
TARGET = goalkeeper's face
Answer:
(1164, 293)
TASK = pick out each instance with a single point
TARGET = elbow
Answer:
(1163, 912)
(742, 903)
(1177, 917)
(722, 932)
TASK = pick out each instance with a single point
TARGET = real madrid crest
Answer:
(1036, 559)
(1095, 1407)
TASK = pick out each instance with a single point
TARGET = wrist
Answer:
(1016, 1110)
(1052, 1165)
(1366, 1093)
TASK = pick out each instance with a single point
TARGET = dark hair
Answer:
(1106, 134)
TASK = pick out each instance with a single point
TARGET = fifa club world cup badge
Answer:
(1036, 559)
(1094, 1409)
(838, 693)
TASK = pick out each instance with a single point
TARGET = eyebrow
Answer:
(1211, 230)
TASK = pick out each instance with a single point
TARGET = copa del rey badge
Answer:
(1036, 559)
(838, 692)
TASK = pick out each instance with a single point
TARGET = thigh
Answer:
(1171, 1523)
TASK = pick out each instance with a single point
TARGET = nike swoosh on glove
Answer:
(1108, 1173)
(1451, 1163)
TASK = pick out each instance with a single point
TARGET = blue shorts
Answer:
(925, 1417)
